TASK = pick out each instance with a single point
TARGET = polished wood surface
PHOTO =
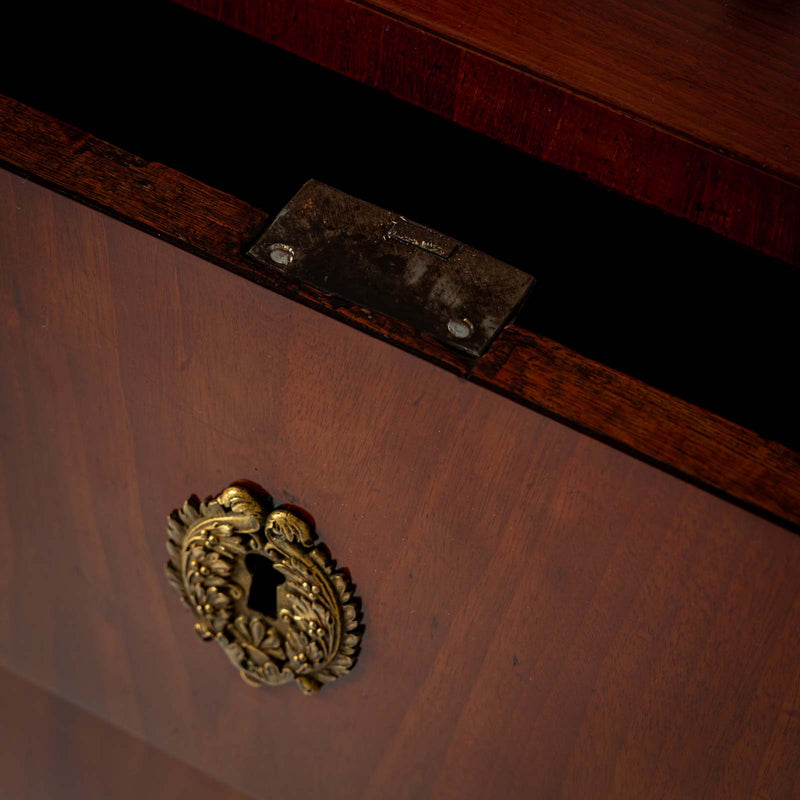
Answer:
(726, 74)
(689, 107)
(53, 750)
(544, 614)
(531, 369)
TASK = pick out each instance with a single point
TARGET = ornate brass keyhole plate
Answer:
(219, 550)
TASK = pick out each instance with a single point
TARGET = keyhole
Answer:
(263, 596)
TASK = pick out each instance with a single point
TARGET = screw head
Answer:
(281, 254)
(460, 328)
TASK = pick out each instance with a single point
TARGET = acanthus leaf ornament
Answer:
(312, 635)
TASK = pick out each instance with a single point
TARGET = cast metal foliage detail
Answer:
(315, 634)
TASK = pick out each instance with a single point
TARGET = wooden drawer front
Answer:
(543, 614)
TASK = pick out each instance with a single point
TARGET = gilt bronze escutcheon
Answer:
(262, 589)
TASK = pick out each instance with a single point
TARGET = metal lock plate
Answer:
(382, 261)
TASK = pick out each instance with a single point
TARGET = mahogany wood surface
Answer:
(172, 206)
(53, 750)
(691, 107)
(726, 74)
(696, 444)
(532, 369)
(545, 615)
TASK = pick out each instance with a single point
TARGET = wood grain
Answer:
(698, 445)
(52, 750)
(545, 615)
(588, 88)
(174, 207)
(687, 440)
(726, 75)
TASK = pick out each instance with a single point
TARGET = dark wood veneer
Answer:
(545, 616)
(723, 74)
(53, 750)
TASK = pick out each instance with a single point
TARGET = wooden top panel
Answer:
(726, 74)
(545, 615)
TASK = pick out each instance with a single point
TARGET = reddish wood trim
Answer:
(687, 440)
(682, 438)
(660, 167)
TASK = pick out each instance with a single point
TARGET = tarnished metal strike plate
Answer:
(383, 262)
